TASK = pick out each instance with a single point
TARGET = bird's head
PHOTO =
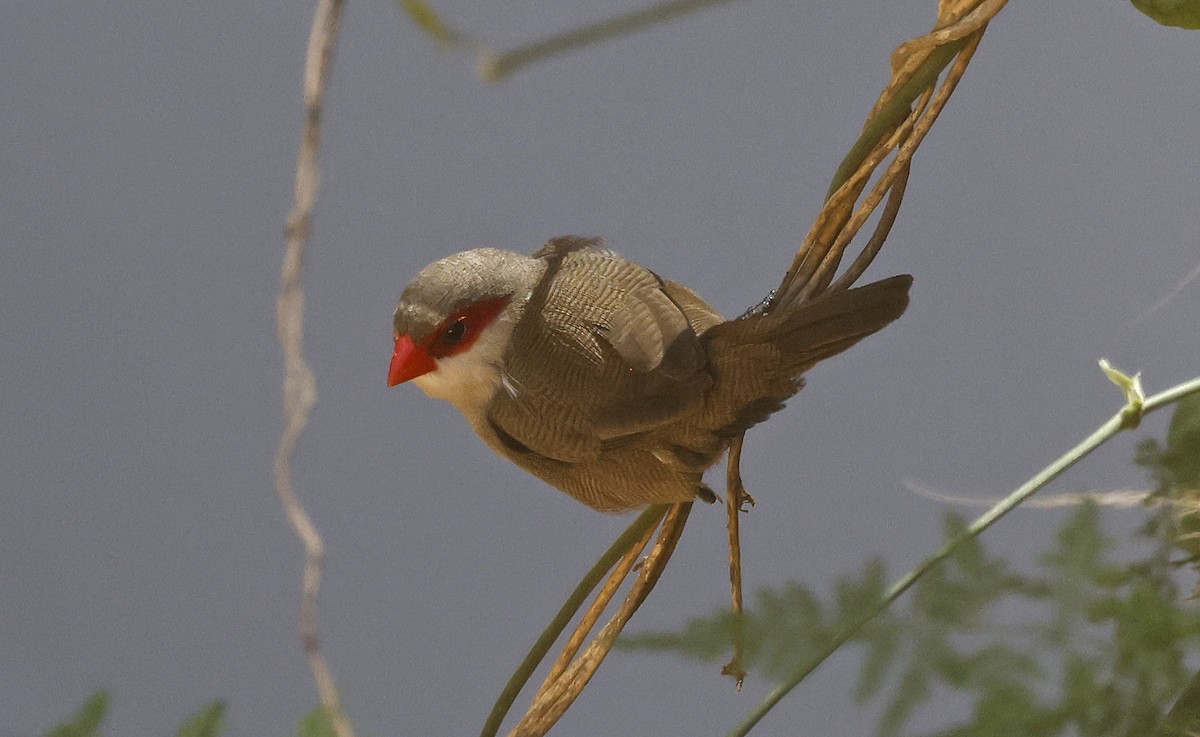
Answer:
(454, 321)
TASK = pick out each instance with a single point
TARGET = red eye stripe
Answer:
(459, 331)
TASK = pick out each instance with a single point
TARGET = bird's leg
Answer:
(736, 496)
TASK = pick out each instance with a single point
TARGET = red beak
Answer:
(409, 361)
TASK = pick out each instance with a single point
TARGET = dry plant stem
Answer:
(893, 126)
(905, 140)
(735, 497)
(917, 64)
(957, 21)
(893, 107)
(895, 179)
(553, 703)
(643, 525)
(592, 615)
(889, 127)
(821, 270)
(882, 229)
(1126, 419)
(817, 251)
(897, 174)
(494, 68)
(299, 386)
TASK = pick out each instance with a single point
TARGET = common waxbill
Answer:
(603, 379)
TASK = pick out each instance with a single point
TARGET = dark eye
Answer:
(455, 331)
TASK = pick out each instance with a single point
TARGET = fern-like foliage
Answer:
(88, 720)
(1101, 648)
(1098, 646)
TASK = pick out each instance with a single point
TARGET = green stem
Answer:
(496, 68)
(896, 110)
(1114, 425)
(587, 584)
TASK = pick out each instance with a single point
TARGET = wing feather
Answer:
(597, 320)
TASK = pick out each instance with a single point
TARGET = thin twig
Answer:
(896, 125)
(1170, 295)
(882, 229)
(628, 561)
(299, 385)
(645, 523)
(820, 272)
(893, 125)
(495, 67)
(553, 702)
(1118, 422)
(1116, 498)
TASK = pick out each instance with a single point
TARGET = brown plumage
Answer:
(606, 381)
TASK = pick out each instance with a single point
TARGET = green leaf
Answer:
(1184, 717)
(424, 17)
(1176, 468)
(853, 594)
(1006, 711)
(1181, 459)
(883, 649)
(1082, 688)
(1179, 13)
(912, 690)
(785, 627)
(704, 638)
(1081, 548)
(208, 722)
(1099, 650)
(316, 724)
(87, 720)
(999, 664)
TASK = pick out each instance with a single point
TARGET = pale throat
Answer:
(469, 379)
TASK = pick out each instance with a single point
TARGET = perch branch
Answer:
(642, 526)
(897, 125)
(552, 702)
(592, 615)
(299, 385)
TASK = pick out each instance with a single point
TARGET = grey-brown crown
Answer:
(461, 279)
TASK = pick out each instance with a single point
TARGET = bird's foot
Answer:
(744, 498)
(737, 670)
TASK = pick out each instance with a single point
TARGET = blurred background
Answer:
(148, 151)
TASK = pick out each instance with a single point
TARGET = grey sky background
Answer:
(148, 150)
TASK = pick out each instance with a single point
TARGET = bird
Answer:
(601, 378)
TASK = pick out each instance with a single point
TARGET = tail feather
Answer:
(824, 327)
(758, 360)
